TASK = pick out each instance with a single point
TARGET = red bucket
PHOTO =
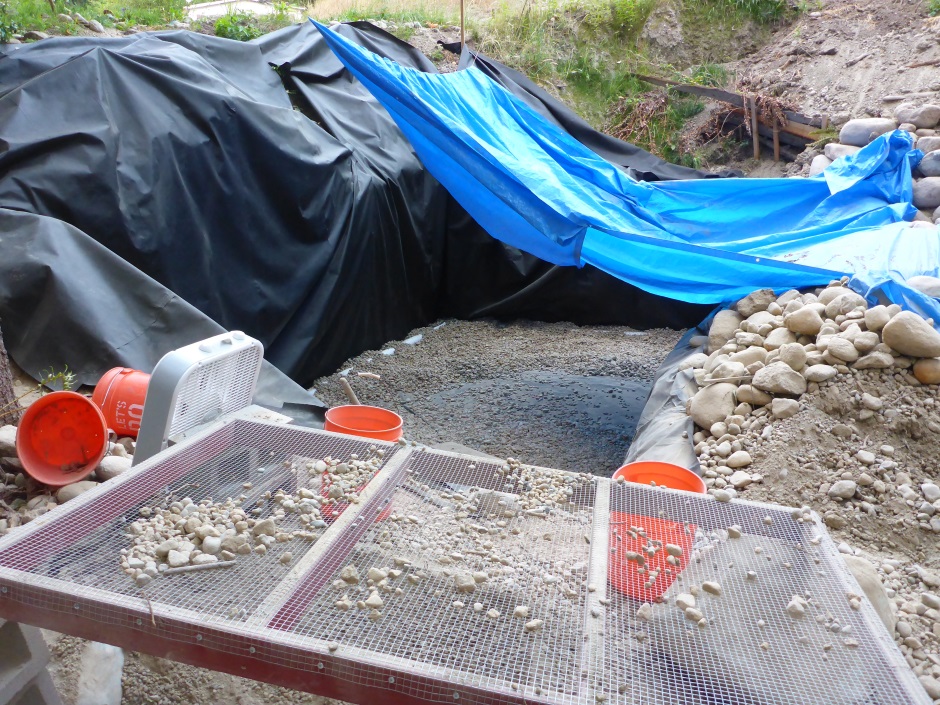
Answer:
(366, 421)
(120, 394)
(61, 438)
(674, 477)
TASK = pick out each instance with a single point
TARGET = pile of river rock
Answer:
(922, 122)
(767, 351)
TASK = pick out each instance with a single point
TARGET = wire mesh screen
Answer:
(240, 472)
(216, 388)
(437, 577)
(473, 567)
(756, 606)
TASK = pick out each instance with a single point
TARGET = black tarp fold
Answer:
(206, 183)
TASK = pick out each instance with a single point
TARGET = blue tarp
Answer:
(533, 186)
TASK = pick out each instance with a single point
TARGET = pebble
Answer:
(111, 466)
(911, 335)
(177, 559)
(931, 491)
(779, 378)
(931, 600)
(534, 625)
(927, 371)
(843, 489)
(70, 492)
(685, 601)
(712, 587)
(267, 527)
(739, 459)
(464, 582)
(796, 608)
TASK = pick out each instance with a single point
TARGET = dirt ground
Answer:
(845, 58)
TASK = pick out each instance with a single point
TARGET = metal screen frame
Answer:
(266, 646)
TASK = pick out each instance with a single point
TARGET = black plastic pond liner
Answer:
(173, 175)
(116, 317)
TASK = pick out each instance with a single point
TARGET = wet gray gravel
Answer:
(552, 394)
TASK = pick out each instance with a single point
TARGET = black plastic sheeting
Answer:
(664, 430)
(61, 317)
(179, 192)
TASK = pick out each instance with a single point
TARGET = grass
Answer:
(245, 26)
(760, 11)
(653, 120)
(933, 7)
(446, 12)
(585, 51)
(43, 15)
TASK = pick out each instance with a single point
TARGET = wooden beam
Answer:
(755, 135)
(797, 123)
(776, 144)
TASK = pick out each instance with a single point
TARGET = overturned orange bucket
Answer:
(366, 421)
(61, 438)
(673, 477)
(120, 394)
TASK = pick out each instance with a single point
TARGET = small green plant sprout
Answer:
(50, 380)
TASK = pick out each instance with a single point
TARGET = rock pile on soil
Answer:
(22, 499)
(922, 122)
(819, 400)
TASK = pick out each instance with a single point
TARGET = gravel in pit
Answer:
(556, 395)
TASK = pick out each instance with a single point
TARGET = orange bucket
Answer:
(674, 477)
(120, 394)
(625, 575)
(367, 421)
(61, 438)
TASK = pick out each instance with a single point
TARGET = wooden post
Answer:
(752, 103)
(9, 407)
(461, 25)
(776, 143)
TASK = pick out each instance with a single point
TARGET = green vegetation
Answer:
(587, 52)
(426, 16)
(8, 23)
(43, 15)
(56, 381)
(933, 7)
(241, 26)
(761, 11)
(146, 13)
(708, 75)
(245, 26)
(654, 121)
